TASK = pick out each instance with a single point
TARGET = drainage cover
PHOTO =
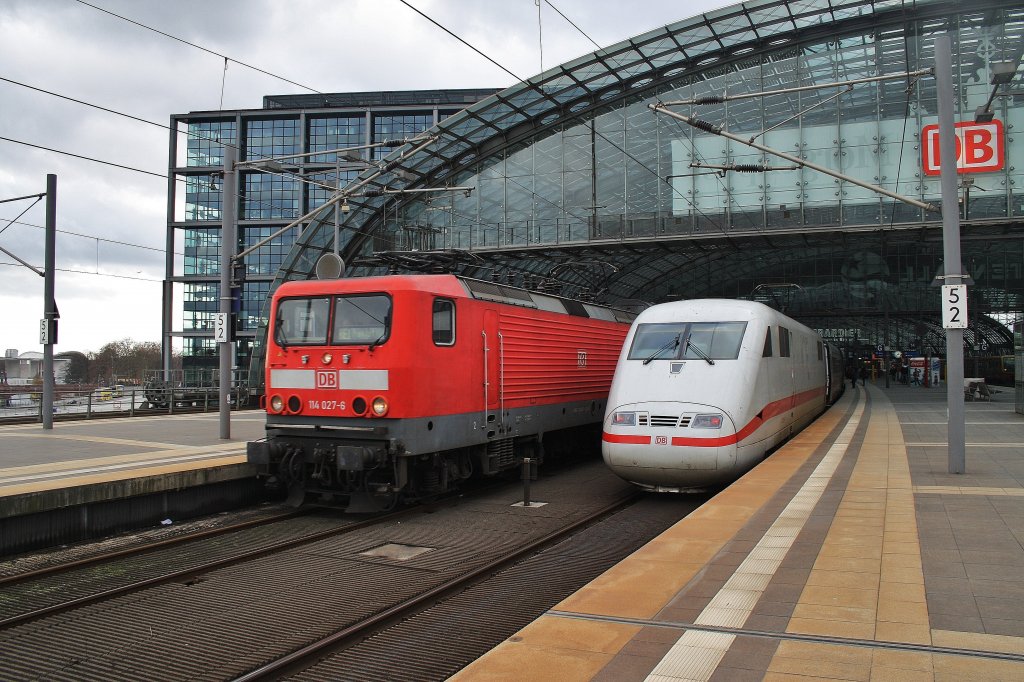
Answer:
(396, 551)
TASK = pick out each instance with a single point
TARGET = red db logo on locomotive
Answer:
(326, 378)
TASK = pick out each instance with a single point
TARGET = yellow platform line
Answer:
(116, 460)
(71, 479)
(134, 442)
(868, 582)
(967, 490)
(697, 654)
(644, 583)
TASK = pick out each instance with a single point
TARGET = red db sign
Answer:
(979, 147)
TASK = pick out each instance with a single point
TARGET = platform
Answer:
(88, 477)
(848, 554)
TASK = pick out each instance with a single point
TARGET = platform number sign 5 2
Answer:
(220, 327)
(954, 306)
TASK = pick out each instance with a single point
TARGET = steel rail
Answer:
(143, 549)
(197, 570)
(360, 630)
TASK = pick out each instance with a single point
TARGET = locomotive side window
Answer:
(783, 342)
(301, 321)
(767, 344)
(443, 327)
(687, 340)
(361, 319)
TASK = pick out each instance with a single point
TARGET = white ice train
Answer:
(703, 389)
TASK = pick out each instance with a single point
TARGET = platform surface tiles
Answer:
(88, 452)
(849, 554)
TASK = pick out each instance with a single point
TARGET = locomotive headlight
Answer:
(623, 418)
(707, 421)
(327, 358)
(276, 403)
(379, 406)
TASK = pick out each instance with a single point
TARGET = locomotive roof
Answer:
(456, 287)
(717, 310)
(446, 285)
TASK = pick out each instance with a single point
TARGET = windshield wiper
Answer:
(674, 343)
(687, 345)
(377, 342)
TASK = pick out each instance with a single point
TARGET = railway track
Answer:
(12, 574)
(119, 572)
(370, 625)
(230, 620)
(492, 610)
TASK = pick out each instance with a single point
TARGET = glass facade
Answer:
(577, 158)
(254, 296)
(202, 197)
(267, 259)
(201, 302)
(202, 252)
(336, 133)
(390, 127)
(205, 142)
(272, 138)
(317, 191)
(270, 197)
(269, 201)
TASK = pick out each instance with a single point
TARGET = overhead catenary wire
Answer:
(572, 23)
(11, 222)
(95, 274)
(458, 38)
(89, 236)
(200, 47)
(594, 130)
(86, 158)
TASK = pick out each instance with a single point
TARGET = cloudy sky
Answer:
(112, 221)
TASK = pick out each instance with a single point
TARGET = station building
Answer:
(285, 125)
(572, 181)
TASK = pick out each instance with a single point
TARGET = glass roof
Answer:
(856, 38)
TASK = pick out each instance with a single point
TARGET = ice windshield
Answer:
(687, 341)
(362, 319)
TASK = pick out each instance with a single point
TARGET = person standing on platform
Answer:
(863, 375)
(851, 374)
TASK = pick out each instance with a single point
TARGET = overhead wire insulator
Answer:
(709, 99)
(749, 168)
(705, 126)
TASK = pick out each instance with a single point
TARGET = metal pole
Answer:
(526, 481)
(950, 250)
(49, 304)
(227, 251)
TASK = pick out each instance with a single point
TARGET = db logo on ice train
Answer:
(661, 440)
(327, 378)
(979, 147)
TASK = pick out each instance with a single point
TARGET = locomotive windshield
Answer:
(362, 319)
(302, 320)
(687, 341)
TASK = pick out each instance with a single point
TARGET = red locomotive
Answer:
(398, 387)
